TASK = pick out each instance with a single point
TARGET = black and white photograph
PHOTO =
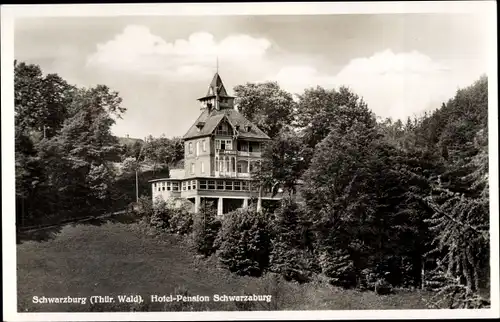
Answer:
(249, 161)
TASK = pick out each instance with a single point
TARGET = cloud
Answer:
(137, 50)
(393, 85)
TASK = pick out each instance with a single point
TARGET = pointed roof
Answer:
(216, 86)
(212, 118)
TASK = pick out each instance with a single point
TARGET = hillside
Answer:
(66, 265)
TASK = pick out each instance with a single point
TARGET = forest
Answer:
(369, 203)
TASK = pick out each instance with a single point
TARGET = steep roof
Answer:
(214, 117)
(216, 85)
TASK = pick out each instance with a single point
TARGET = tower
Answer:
(216, 97)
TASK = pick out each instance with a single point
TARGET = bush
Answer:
(160, 219)
(144, 207)
(382, 287)
(244, 242)
(180, 221)
(205, 229)
(290, 256)
(291, 263)
(338, 267)
(368, 279)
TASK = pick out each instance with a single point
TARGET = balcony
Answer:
(220, 152)
(231, 174)
(225, 152)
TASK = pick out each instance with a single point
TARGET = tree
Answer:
(41, 102)
(319, 110)
(284, 161)
(64, 146)
(244, 242)
(267, 105)
(164, 150)
(461, 230)
(205, 229)
(291, 254)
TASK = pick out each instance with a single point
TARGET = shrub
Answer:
(181, 221)
(244, 242)
(291, 263)
(368, 278)
(144, 207)
(290, 256)
(160, 219)
(382, 287)
(205, 229)
(338, 267)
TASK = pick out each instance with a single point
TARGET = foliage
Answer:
(181, 221)
(244, 242)
(64, 147)
(164, 150)
(266, 105)
(338, 266)
(160, 218)
(284, 161)
(291, 254)
(205, 229)
(320, 110)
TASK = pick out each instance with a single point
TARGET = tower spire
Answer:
(217, 86)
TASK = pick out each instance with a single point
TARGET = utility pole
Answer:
(137, 175)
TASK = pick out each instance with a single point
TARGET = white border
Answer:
(10, 12)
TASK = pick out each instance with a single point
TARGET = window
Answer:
(193, 184)
(175, 186)
(197, 148)
(244, 186)
(192, 167)
(216, 163)
(220, 185)
(183, 185)
(233, 164)
(238, 168)
(223, 144)
(189, 185)
(202, 167)
(190, 147)
(242, 146)
(204, 145)
(169, 187)
(229, 185)
(237, 185)
(203, 184)
(211, 184)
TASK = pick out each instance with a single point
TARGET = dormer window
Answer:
(249, 128)
(200, 125)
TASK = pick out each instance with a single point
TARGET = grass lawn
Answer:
(116, 258)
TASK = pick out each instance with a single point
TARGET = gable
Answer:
(208, 122)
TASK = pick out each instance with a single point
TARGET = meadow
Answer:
(118, 257)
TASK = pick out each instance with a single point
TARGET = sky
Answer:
(400, 64)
